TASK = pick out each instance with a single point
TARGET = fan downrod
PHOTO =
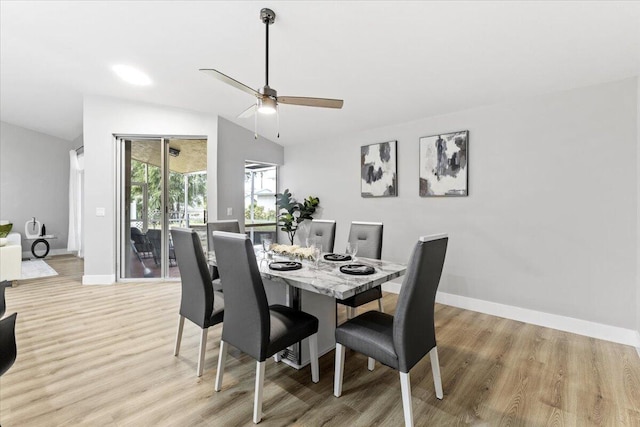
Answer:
(267, 16)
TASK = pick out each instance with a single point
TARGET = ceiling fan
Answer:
(267, 98)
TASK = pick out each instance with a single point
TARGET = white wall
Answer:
(34, 181)
(236, 145)
(104, 117)
(550, 223)
(638, 209)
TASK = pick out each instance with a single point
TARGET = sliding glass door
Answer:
(162, 184)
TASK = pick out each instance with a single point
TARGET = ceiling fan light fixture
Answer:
(267, 99)
(267, 105)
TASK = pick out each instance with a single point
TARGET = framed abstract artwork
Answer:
(378, 174)
(444, 164)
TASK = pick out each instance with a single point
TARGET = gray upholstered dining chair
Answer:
(230, 225)
(323, 231)
(199, 302)
(251, 325)
(8, 347)
(401, 341)
(155, 238)
(368, 236)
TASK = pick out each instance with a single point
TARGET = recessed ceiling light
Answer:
(131, 75)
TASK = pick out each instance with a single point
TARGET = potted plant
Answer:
(292, 213)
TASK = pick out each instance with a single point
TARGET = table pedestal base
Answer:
(321, 306)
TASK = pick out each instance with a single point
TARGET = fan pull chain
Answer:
(255, 125)
(278, 120)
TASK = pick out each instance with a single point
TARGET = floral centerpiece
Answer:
(293, 251)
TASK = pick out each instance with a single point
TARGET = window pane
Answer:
(260, 186)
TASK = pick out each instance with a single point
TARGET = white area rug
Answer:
(36, 268)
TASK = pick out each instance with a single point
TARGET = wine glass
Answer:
(266, 245)
(352, 249)
(311, 241)
(317, 253)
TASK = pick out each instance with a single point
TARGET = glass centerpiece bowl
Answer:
(294, 252)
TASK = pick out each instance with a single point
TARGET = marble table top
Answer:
(327, 279)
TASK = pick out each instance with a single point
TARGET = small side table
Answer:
(40, 246)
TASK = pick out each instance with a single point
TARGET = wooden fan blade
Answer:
(248, 112)
(311, 102)
(228, 80)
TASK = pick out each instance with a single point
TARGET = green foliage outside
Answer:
(260, 214)
(197, 188)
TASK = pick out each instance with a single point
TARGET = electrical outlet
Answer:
(100, 212)
(229, 211)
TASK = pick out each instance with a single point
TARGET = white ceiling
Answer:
(391, 62)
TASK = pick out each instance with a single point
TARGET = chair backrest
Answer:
(197, 292)
(324, 232)
(368, 236)
(137, 236)
(230, 225)
(413, 324)
(155, 238)
(246, 312)
(8, 348)
(140, 240)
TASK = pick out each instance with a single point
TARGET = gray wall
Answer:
(34, 181)
(236, 145)
(551, 220)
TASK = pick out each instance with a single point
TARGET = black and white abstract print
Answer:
(378, 170)
(444, 164)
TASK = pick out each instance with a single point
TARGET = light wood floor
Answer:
(103, 355)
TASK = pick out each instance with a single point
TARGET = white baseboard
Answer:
(568, 324)
(52, 252)
(554, 321)
(99, 279)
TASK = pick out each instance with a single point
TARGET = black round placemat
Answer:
(285, 265)
(337, 257)
(357, 269)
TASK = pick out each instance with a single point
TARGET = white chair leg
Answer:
(405, 385)
(380, 308)
(222, 359)
(339, 370)
(371, 363)
(176, 349)
(313, 355)
(257, 402)
(203, 349)
(435, 368)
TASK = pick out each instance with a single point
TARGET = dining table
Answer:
(314, 289)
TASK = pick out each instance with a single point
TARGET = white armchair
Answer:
(11, 258)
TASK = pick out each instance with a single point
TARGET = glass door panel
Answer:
(141, 254)
(187, 191)
(164, 185)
